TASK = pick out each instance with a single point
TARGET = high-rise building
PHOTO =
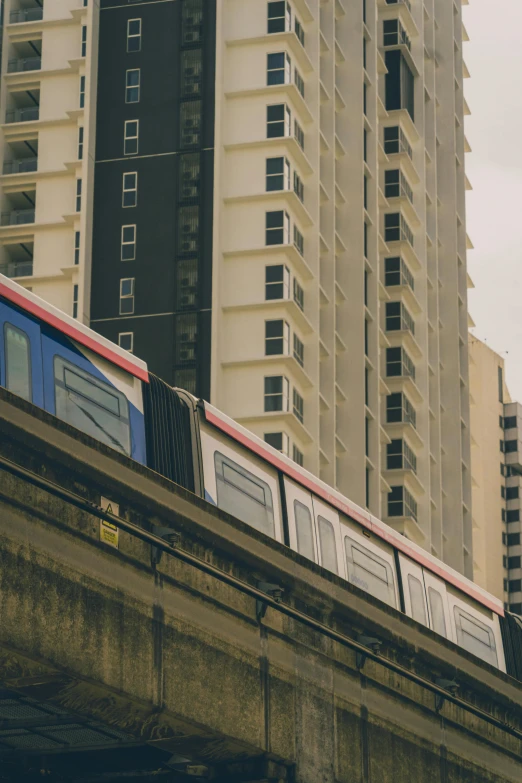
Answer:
(271, 211)
(496, 469)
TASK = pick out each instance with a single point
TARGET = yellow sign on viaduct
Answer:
(185, 646)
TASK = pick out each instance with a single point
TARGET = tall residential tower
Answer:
(266, 201)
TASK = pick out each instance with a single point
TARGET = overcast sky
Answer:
(494, 167)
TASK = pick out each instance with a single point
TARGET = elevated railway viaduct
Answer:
(183, 645)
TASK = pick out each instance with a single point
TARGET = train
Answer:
(62, 366)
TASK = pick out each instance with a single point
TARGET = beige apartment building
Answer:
(496, 469)
(306, 271)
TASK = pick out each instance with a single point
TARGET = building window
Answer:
(130, 189)
(189, 178)
(128, 243)
(513, 539)
(76, 248)
(299, 82)
(278, 121)
(513, 562)
(127, 296)
(398, 318)
(365, 99)
(299, 134)
(500, 385)
(399, 456)
(394, 34)
(191, 73)
(278, 440)
(297, 456)
(396, 142)
(134, 35)
(365, 240)
(84, 41)
(277, 174)
(75, 301)
(298, 295)
(510, 446)
(365, 284)
(190, 124)
(299, 31)
(80, 143)
(192, 21)
(298, 350)
(399, 364)
(277, 393)
(396, 272)
(400, 409)
(277, 338)
(277, 282)
(365, 192)
(366, 337)
(503, 514)
(365, 145)
(278, 68)
(367, 487)
(298, 407)
(82, 92)
(367, 436)
(132, 85)
(515, 585)
(396, 185)
(511, 493)
(298, 240)
(401, 503)
(188, 229)
(130, 137)
(366, 385)
(277, 228)
(126, 341)
(78, 195)
(279, 17)
(396, 229)
(364, 53)
(512, 516)
(298, 186)
(399, 83)
(509, 422)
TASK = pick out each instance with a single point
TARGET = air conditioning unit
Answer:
(189, 246)
(190, 191)
(191, 37)
(193, 89)
(190, 139)
(188, 300)
(187, 351)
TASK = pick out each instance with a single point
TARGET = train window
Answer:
(475, 637)
(92, 406)
(327, 543)
(438, 621)
(17, 362)
(369, 572)
(418, 608)
(244, 495)
(304, 531)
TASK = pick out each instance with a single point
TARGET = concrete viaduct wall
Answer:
(177, 659)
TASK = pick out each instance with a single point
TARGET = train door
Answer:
(21, 355)
(328, 537)
(438, 606)
(301, 522)
(415, 602)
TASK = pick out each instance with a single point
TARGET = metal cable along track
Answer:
(253, 592)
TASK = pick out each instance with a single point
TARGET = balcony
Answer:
(26, 15)
(400, 2)
(22, 166)
(21, 64)
(17, 217)
(17, 268)
(26, 114)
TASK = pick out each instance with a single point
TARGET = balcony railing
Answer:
(24, 64)
(22, 115)
(26, 15)
(400, 2)
(17, 269)
(17, 217)
(20, 166)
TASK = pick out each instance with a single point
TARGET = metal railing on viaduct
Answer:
(180, 644)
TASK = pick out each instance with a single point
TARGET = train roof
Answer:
(336, 499)
(77, 331)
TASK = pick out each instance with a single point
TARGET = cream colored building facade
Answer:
(339, 290)
(496, 468)
(48, 65)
